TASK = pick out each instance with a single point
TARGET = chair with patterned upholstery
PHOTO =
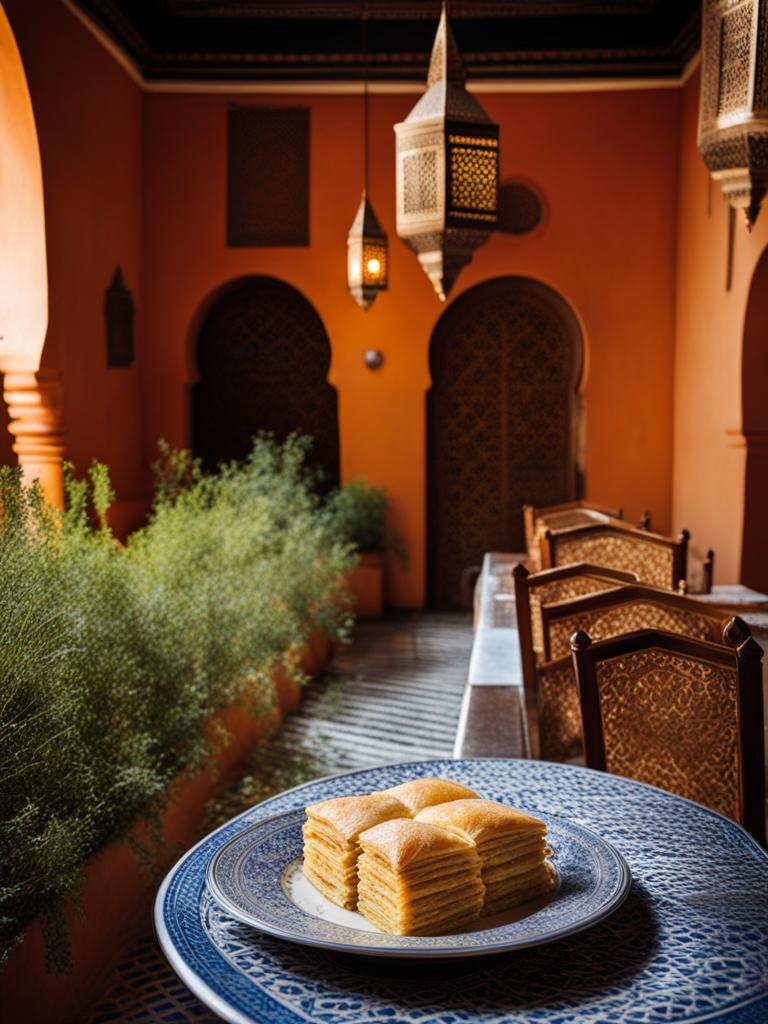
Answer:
(571, 513)
(603, 614)
(657, 560)
(532, 592)
(635, 606)
(682, 714)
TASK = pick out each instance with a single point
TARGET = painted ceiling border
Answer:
(350, 88)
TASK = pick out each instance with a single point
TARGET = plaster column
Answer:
(34, 406)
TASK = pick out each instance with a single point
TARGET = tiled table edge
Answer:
(749, 1017)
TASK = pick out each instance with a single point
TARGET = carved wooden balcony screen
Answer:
(268, 176)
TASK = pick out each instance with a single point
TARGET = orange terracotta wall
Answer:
(709, 446)
(139, 179)
(607, 165)
(88, 113)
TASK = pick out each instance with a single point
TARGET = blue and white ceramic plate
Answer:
(689, 945)
(257, 878)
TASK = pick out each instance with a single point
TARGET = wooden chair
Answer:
(701, 572)
(555, 716)
(655, 559)
(682, 714)
(570, 513)
(634, 606)
(532, 592)
(555, 603)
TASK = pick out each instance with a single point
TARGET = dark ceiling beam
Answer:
(261, 40)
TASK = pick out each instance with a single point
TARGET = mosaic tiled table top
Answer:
(690, 944)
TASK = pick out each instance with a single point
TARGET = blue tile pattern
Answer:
(690, 944)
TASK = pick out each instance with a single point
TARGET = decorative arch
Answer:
(32, 396)
(754, 389)
(263, 357)
(504, 423)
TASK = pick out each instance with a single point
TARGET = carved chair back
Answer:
(571, 513)
(679, 713)
(657, 560)
(532, 592)
(635, 606)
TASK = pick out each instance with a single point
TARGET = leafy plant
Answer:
(359, 512)
(114, 658)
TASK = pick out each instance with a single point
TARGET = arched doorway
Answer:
(502, 423)
(263, 357)
(754, 389)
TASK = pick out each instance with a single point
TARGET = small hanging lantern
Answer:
(366, 256)
(447, 167)
(367, 262)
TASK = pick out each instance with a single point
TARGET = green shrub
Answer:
(113, 657)
(359, 513)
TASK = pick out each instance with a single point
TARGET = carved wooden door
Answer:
(505, 360)
(263, 356)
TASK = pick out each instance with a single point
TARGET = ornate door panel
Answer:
(505, 360)
(263, 356)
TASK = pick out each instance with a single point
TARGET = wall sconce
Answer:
(118, 313)
(373, 358)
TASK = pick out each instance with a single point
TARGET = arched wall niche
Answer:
(261, 362)
(505, 423)
(754, 392)
(32, 396)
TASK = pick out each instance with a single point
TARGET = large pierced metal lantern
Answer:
(733, 117)
(366, 256)
(447, 173)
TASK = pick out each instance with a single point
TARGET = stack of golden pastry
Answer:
(331, 846)
(512, 847)
(435, 856)
(416, 879)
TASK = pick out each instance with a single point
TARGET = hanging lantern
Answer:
(447, 173)
(366, 242)
(733, 114)
(366, 256)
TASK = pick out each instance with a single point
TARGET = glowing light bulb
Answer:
(373, 265)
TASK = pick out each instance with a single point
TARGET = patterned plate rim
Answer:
(406, 952)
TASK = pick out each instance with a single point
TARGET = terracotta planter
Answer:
(317, 653)
(115, 896)
(366, 582)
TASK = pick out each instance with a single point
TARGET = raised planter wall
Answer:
(116, 896)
